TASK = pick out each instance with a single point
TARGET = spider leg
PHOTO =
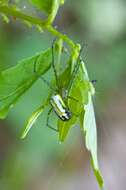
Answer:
(42, 78)
(47, 121)
(72, 98)
(35, 65)
(76, 115)
(75, 69)
(53, 64)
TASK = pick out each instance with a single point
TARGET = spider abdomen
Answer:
(61, 110)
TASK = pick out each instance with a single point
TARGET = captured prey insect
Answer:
(59, 95)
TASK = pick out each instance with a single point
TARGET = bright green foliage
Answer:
(45, 5)
(81, 91)
(64, 78)
(48, 6)
(78, 97)
(32, 120)
(64, 127)
(15, 81)
(81, 106)
(58, 50)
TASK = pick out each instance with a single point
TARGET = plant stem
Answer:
(9, 10)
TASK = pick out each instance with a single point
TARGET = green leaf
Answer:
(15, 81)
(79, 92)
(58, 53)
(77, 97)
(48, 6)
(88, 125)
(55, 7)
(32, 120)
(64, 127)
(90, 131)
(64, 78)
(45, 5)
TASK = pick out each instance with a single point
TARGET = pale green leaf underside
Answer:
(91, 138)
(90, 131)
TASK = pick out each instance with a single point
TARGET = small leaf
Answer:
(77, 97)
(48, 6)
(64, 127)
(65, 76)
(52, 15)
(15, 81)
(79, 92)
(45, 5)
(32, 120)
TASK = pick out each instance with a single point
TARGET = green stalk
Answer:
(9, 10)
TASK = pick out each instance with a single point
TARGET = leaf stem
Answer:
(9, 10)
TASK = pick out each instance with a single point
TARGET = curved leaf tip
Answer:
(31, 121)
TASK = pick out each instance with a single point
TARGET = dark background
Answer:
(40, 162)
